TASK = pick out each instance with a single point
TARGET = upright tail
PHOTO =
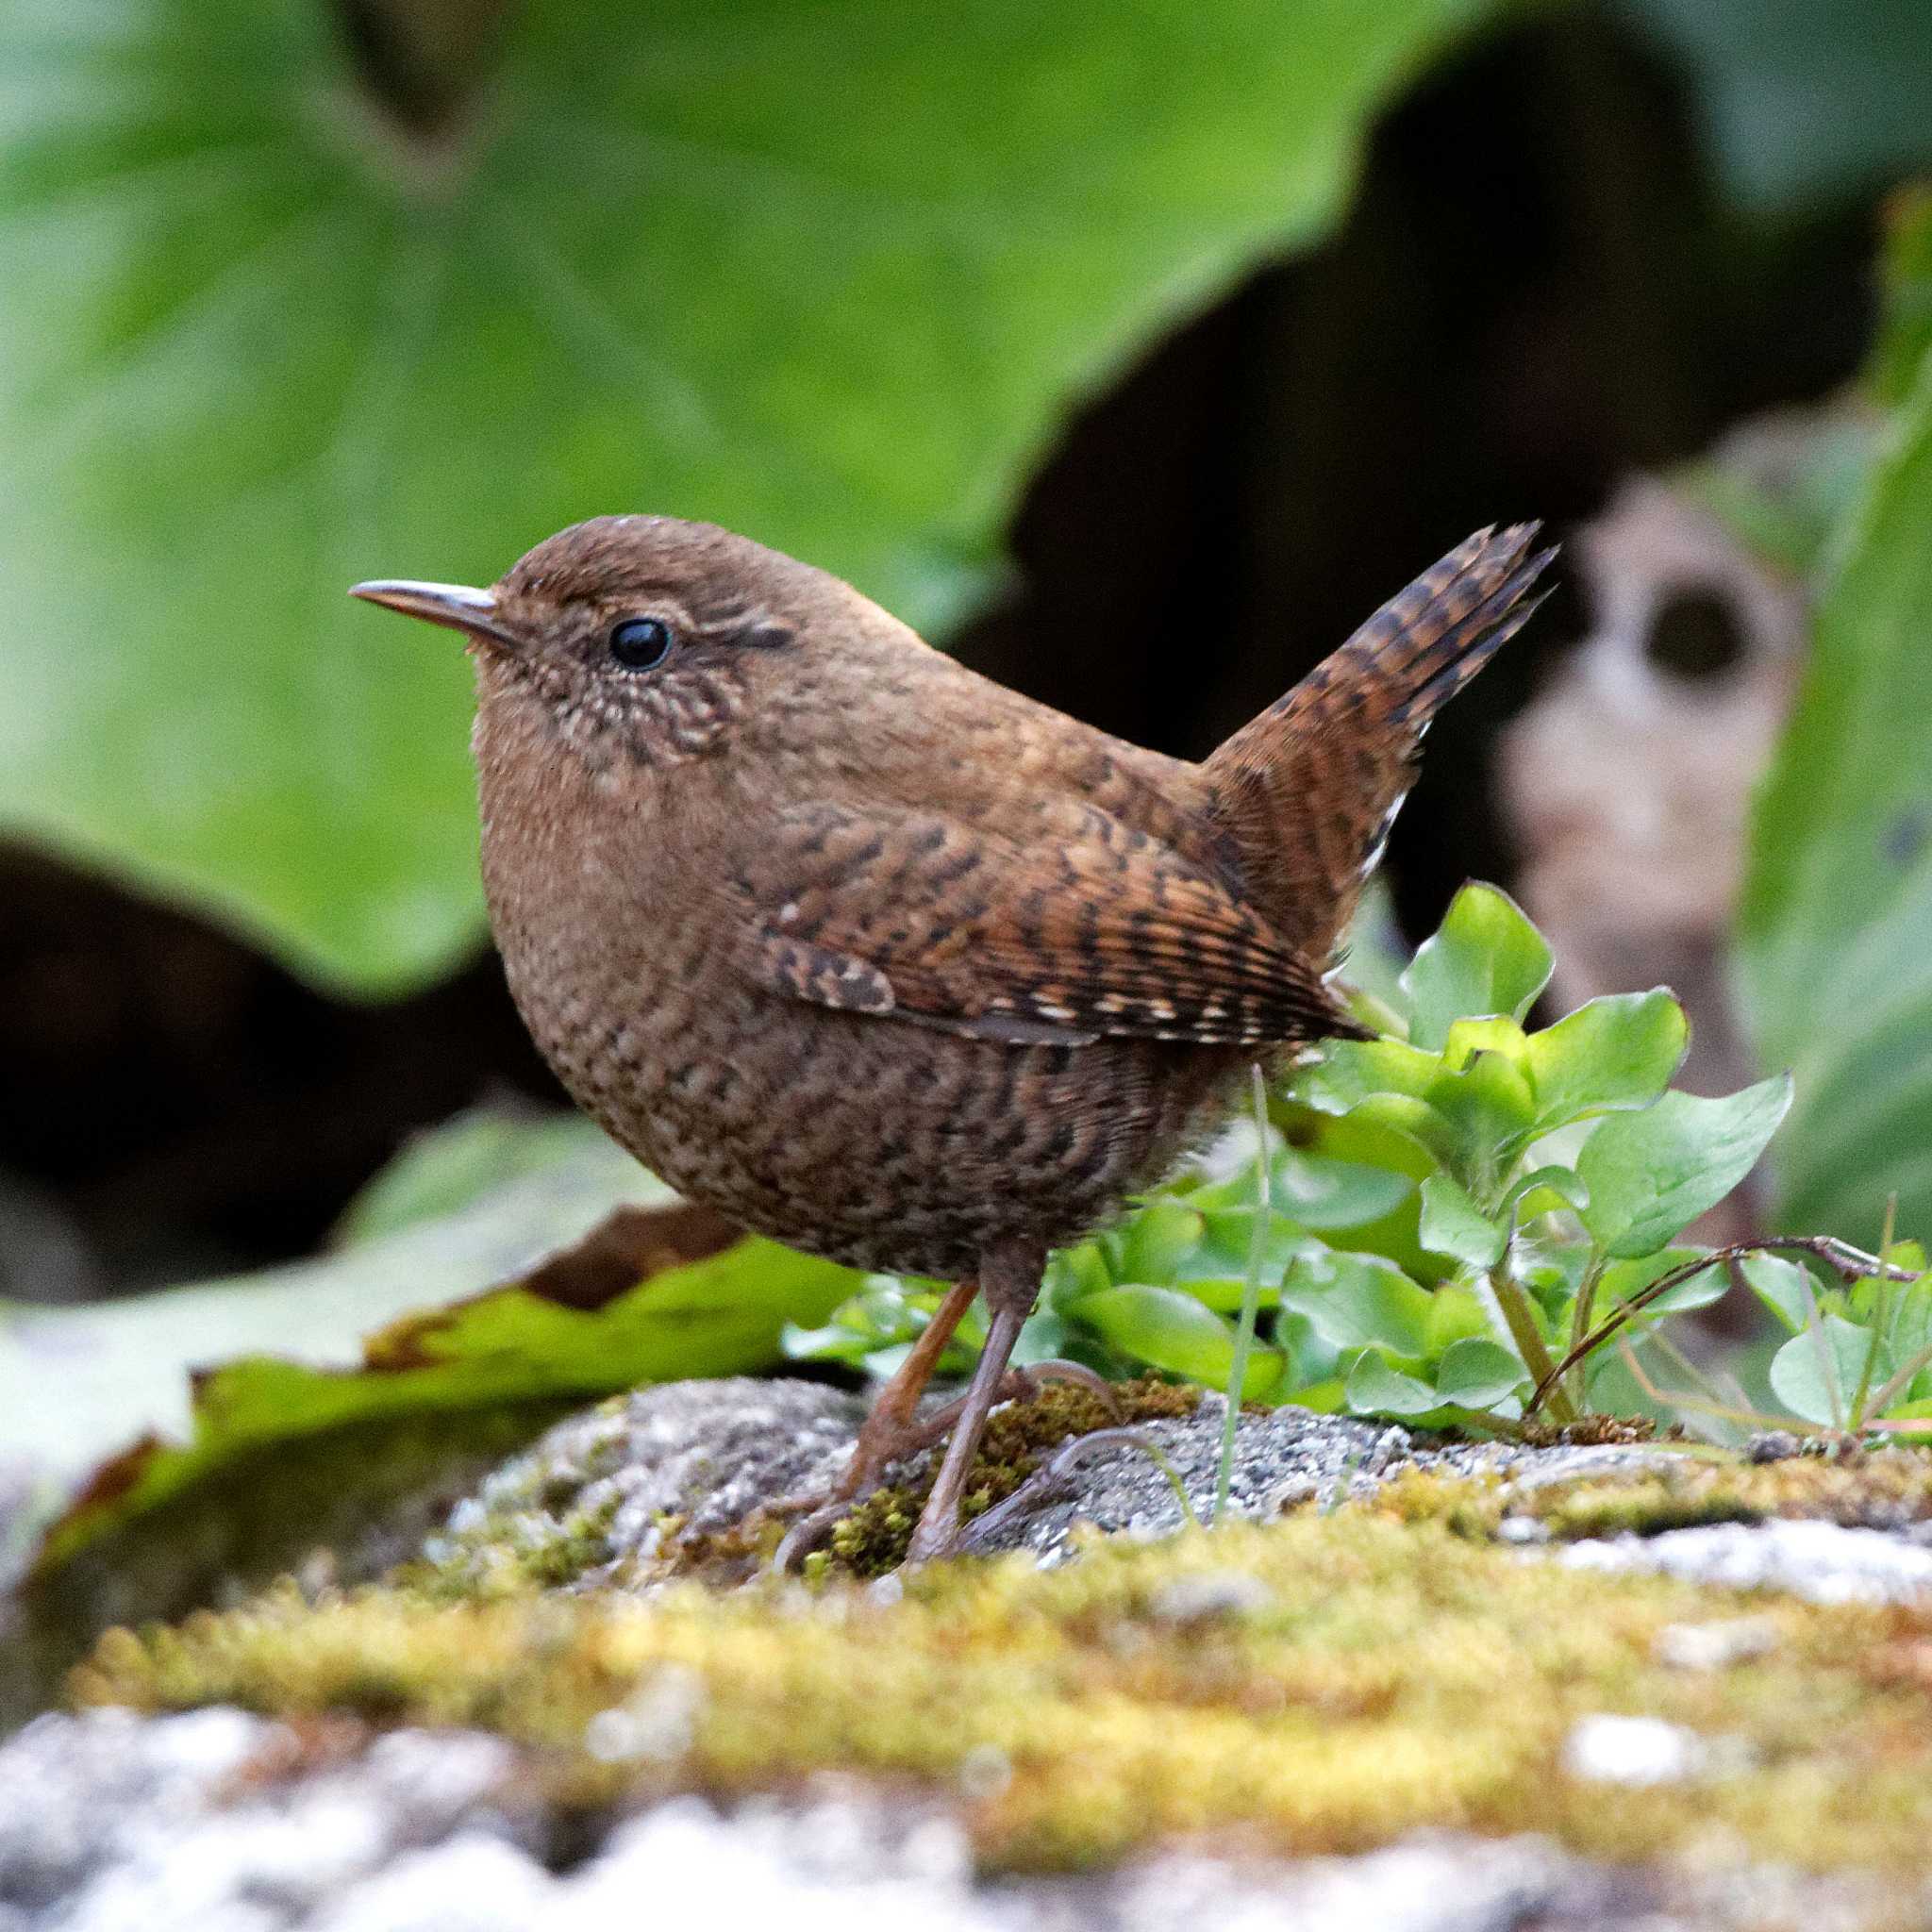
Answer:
(1309, 789)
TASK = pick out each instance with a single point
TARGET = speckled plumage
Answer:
(882, 959)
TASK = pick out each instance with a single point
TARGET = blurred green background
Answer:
(1135, 352)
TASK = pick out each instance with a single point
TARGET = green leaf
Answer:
(1170, 1330)
(1223, 1293)
(1478, 1373)
(1357, 1299)
(1497, 1035)
(1455, 1315)
(1330, 1196)
(1374, 1387)
(1488, 1108)
(828, 285)
(1611, 1053)
(1836, 925)
(1485, 959)
(1908, 1333)
(1804, 102)
(1905, 334)
(1784, 1287)
(1622, 1279)
(1351, 1071)
(123, 1365)
(1653, 1173)
(1157, 1240)
(1073, 1273)
(1224, 1247)
(1545, 1190)
(652, 1293)
(879, 1325)
(1818, 1382)
(1454, 1225)
(464, 1160)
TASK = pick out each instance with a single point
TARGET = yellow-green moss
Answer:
(1465, 1505)
(1882, 1488)
(1385, 1676)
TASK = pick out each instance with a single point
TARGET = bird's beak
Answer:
(455, 605)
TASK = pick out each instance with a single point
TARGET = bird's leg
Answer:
(885, 1432)
(1010, 1279)
(1019, 1384)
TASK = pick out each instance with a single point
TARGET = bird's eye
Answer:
(641, 643)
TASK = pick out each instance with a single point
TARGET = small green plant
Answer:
(1465, 1222)
(1858, 1354)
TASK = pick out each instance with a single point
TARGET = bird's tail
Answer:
(1309, 789)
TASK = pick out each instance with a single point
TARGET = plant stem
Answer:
(1251, 1294)
(1852, 1264)
(1513, 1299)
(1880, 1319)
(1897, 1385)
(1585, 1305)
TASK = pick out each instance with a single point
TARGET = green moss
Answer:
(1464, 1506)
(1883, 1488)
(1385, 1676)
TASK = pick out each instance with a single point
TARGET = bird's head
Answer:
(647, 641)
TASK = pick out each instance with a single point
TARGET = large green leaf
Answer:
(828, 275)
(1836, 924)
(603, 1278)
(1805, 100)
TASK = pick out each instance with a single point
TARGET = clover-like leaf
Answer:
(1651, 1174)
(1330, 1196)
(1494, 1034)
(1073, 1273)
(1489, 1108)
(1544, 1190)
(1224, 1293)
(1456, 1313)
(1351, 1070)
(1486, 957)
(1155, 1242)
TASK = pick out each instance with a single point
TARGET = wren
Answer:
(883, 959)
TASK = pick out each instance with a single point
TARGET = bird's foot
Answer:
(1050, 1476)
(886, 1439)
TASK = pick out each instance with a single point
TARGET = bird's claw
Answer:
(824, 1511)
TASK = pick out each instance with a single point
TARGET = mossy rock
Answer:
(1326, 1682)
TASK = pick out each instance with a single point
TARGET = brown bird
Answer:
(882, 959)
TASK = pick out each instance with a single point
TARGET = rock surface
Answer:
(587, 1502)
(225, 1822)
(216, 1821)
